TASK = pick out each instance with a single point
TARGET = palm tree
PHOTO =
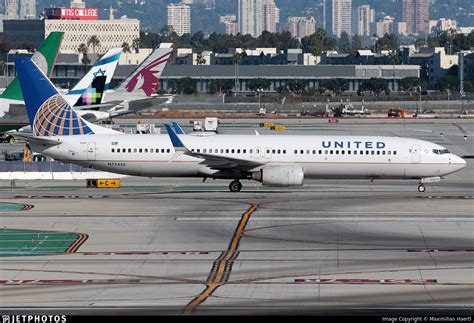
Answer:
(136, 44)
(126, 50)
(82, 49)
(94, 41)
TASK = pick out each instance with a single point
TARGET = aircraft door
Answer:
(91, 151)
(415, 154)
(258, 153)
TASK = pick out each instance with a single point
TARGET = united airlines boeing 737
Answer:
(285, 160)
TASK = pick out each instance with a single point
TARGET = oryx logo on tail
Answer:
(146, 78)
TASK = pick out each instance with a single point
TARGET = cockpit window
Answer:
(441, 151)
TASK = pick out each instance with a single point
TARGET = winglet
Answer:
(178, 129)
(177, 143)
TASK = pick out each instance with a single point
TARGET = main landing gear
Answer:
(235, 186)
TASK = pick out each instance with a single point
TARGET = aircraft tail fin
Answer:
(48, 111)
(144, 80)
(44, 57)
(85, 93)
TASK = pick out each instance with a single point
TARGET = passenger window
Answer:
(140, 150)
(325, 152)
(355, 152)
(222, 151)
(301, 152)
(343, 152)
(273, 151)
(198, 150)
(394, 152)
(278, 151)
(244, 151)
(163, 151)
(349, 152)
(337, 152)
(378, 152)
(372, 152)
(331, 152)
(314, 152)
(389, 152)
(238, 151)
(113, 150)
(361, 152)
(134, 150)
(146, 150)
(320, 152)
(251, 151)
(124, 150)
(168, 150)
(151, 150)
(227, 151)
(296, 152)
(383, 152)
(284, 151)
(204, 150)
(233, 151)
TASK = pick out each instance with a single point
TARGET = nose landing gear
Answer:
(235, 186)
(421, 188)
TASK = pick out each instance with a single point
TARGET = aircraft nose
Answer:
(458, 162)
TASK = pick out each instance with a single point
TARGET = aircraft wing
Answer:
(217, 162)
(43, 141)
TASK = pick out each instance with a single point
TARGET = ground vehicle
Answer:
(397, 113)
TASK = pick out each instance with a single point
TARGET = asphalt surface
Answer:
(179, 246)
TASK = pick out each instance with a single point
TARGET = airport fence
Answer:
(48, 166)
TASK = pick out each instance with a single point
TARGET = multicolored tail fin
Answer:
(85, 94)
(146, 77)
(45, 58)
(48, 111)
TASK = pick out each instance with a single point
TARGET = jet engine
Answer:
(280, 175)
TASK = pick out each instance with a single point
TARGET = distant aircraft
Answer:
(284, 161)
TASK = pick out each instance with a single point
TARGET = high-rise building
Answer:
(300, 27)
(27, 9)
(337, 16)
(179, 17)
(416, 15)
(365, 20)
(271, 16)
(385, 26)
(79, 4)
(13, 9)
(251, 17)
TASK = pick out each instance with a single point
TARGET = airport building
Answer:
(78, 24)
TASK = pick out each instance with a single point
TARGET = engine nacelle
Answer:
(280, 175)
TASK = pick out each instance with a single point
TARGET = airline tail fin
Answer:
(49, 113)
(146, 77)
(84, 93)
(44, 57)
(178, 129)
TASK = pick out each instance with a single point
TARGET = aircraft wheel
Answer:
(235, 186)
(421, 188)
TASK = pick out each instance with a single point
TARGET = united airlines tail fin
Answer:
(146, 77)
(85, 93)
(44, 57)
(48, 111)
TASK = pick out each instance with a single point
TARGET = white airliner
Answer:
(273, 160)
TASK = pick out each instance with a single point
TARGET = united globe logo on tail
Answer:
(145, 79)
(56, 118)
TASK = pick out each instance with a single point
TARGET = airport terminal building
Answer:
(278, 75)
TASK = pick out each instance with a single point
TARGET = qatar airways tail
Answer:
(143, 81)
(284, 160)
